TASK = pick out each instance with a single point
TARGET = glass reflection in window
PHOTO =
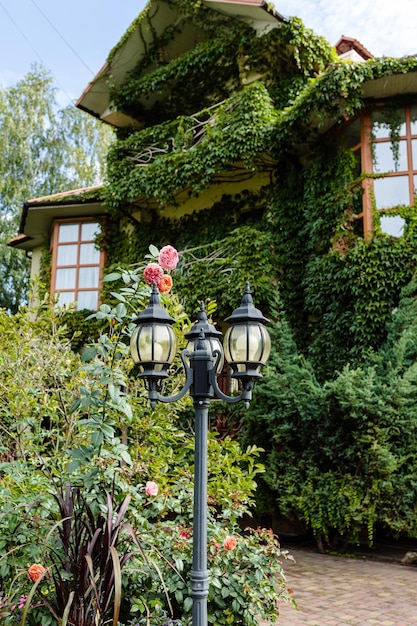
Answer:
(89, 231)
(67, 255)
(391, 191)
(383, 127)
(67, 232)
(389, 157)
(87, 300)
(65, 278)
(89, 254)
(392, 225)
(88, 277)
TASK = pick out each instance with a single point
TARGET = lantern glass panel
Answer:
(164, 345)
(247, 344)
(215, 345)
(153, 343)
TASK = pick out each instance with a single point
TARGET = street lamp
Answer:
(246, 347)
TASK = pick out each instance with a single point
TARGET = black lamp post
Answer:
(246, 346)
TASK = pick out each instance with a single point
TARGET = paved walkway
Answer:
(341, 591)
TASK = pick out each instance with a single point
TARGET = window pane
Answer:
(89, 254)
(89, 230)
(414, 150)
(352, 134)
(88, 277)
(386, 161)
(87, 300)
(67, 255)
(381, 126)
(392, 225)
(65, 298)
(391, 191)
(414, 120)
(65, 278)
(68, 232)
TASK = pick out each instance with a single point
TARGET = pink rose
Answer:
(168, 258)
(153, 273)
(151, 488)
(229, 543)
(165, 284)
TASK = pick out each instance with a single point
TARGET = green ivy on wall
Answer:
(240, 104)
(315, 253)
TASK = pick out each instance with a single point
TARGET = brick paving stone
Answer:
(341, 591)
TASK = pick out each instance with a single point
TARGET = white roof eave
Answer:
(96, 97)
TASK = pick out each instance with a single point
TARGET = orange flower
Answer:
(164, 285)
(229, 543)
(36, 571)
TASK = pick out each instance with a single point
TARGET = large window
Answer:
(76, 263)
(389, 148)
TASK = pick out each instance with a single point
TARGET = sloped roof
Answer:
(155, 18)
(348, 44)
(38, 214)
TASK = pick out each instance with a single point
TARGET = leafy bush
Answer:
(339, 455)
(114, 442)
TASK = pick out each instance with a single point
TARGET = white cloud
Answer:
(385, 28)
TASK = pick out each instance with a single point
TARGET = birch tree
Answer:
(43, 150)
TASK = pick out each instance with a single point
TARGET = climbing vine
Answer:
(238, 107)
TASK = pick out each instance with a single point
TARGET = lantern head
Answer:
(247, 343)
(153, 344)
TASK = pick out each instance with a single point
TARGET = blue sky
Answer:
(66, 36)
(72, 37)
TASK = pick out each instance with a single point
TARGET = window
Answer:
(389, 148)
(76, 263)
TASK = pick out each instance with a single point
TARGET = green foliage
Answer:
(37, 384)
(246, 582)
(352, 297)
(340, 455)
(238, 130)
(221, 270)
(113, 442)
(216, 67)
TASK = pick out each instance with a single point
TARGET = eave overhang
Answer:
(39, 213)
(391, 86)
(377, 90)
(151, 23)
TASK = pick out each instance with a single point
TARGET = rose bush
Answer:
(70, 419)
(247, 582)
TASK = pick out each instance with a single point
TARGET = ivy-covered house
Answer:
(256, 148)
(262, 152)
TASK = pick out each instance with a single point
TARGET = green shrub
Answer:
(339, 455)
(112, 441)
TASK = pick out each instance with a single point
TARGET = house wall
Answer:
(35, 267)
(211, 195)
